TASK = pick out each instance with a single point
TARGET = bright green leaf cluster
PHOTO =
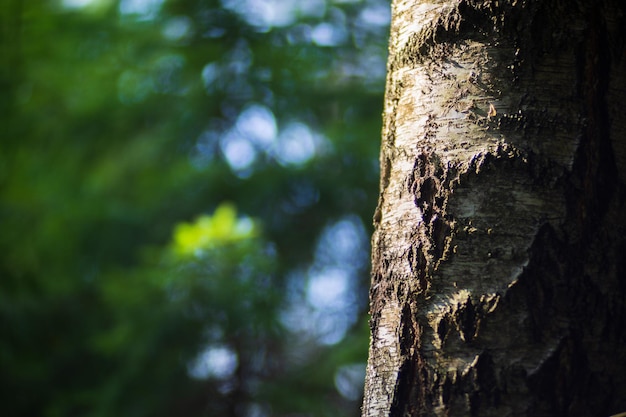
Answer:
(207, 232)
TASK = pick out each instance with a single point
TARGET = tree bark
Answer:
(498, 257)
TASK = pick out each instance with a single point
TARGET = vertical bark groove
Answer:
(498, 283)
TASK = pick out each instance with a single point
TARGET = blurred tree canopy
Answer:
(186, 193)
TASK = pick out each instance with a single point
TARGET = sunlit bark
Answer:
(499, 279)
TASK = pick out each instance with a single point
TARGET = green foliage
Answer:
(208, 232)
(183, 194)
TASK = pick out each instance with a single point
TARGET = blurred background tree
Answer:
(186, 193)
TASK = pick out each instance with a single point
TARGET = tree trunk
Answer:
(499, 271)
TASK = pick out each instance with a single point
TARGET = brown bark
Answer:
(499, 278)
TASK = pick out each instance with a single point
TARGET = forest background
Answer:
(186, 193)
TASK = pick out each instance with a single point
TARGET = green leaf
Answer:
(209, 232)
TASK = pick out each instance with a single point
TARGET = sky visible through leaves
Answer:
(186, 195)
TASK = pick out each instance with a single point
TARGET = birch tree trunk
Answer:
(499, 271)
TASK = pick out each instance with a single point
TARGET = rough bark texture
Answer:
(499, 271)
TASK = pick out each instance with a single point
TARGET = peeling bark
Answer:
(498, 271)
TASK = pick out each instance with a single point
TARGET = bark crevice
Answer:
(499, 283)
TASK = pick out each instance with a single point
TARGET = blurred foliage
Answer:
(186, 191)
